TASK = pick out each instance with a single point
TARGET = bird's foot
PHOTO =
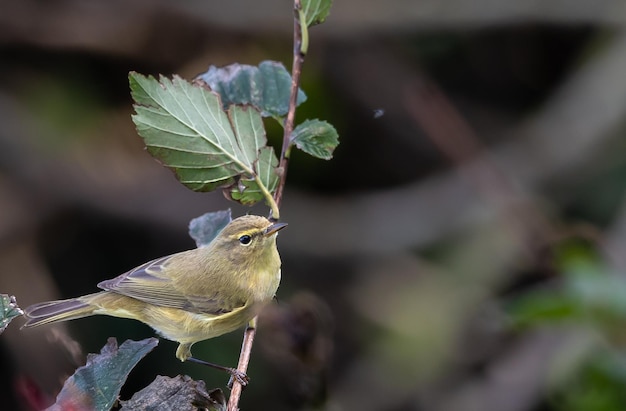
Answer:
(240, 377)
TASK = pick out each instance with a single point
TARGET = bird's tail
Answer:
(60, 310)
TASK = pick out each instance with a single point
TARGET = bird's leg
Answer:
(241, 377)
(183, 353)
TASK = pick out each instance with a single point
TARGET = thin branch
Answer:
(456, 139)
(244, 360)
(296, 70)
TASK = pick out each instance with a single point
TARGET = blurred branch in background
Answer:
(568, 132)
(521, 376)
(615, 241)
(457, 141)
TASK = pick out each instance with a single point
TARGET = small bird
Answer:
(189, 296)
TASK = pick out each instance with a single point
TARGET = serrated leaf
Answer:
(248, 190)
(316, 11)
(266, 87)
(315, 137)
(248, 127)
(96, 385)
(185, 127)
(205, 228)
(8, 310)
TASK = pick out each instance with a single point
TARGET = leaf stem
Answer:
(296, 70)
(275, 212)
(304, 43)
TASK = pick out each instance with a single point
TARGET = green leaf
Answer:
(248, 191)
(315, 137)
(316, 11)
(185, 127)
(543, 307)
(96, 385)
(266, 87)
(8, 311)
(205, 228)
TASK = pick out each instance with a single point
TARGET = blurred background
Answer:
(464, 250)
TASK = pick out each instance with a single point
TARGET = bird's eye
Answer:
(245, 239)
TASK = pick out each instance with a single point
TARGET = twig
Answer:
(296, 70)
(244, 360)
(455, 138)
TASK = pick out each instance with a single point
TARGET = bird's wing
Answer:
(151, 283)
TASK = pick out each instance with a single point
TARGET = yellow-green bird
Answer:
(189, 296)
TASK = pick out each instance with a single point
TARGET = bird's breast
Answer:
(265, 285)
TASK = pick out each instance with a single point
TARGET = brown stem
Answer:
(296, 70)
(244, 360)
(456, 139)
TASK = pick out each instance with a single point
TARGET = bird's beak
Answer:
(273, 228)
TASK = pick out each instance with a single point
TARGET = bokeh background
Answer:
(464, 250)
